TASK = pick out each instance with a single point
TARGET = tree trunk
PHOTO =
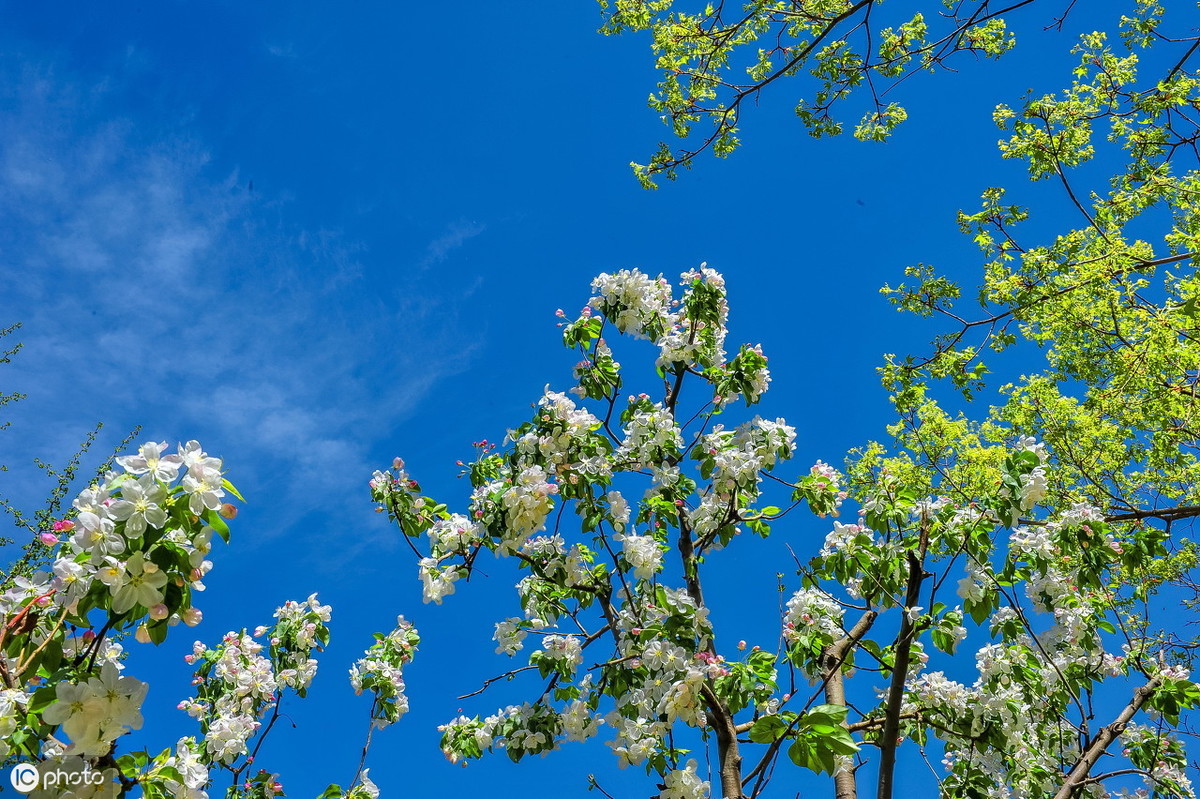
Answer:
(845, 784)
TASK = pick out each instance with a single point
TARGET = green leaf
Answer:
(214, 520)
(767, 729)
(228, 486)
(41, 699)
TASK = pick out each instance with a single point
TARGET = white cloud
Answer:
(457, 234)
(150, 294)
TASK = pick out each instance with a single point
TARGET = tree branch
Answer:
(1096, 747)
(895, 699)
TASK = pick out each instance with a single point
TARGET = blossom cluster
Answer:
(381, 671)
(236, 683)
(138, 544)
(95, 712)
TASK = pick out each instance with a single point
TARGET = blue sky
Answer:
(315, 236)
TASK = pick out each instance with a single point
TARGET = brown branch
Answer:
(1097, 746)
(1165, 514)
(895, 699)
(727, 744)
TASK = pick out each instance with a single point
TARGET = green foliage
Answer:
(716, 60)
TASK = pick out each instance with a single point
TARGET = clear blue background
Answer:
(315, 236)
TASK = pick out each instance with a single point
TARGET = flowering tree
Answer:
(615, 592)
(1001, 598)
(130, 556)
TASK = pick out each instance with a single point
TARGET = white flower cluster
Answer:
(527, 503)
(236, 683)
(1033, 487)
(107, 538)
(571, 566)
(643, 554)
(736, 459)
(94, 713)
(842, 538)
(564, 650)
(697, 332)
(381, 671)
(739, 455)
(812, 612)
(436, 581)
(1032, 542)
(1167, 772)
(637, 738)
(560, 432)
(202, 481)
(1034, 484)
(578, 721)
(187, 760)
(455, 534)
(667, 678)
(240, 687)
(751, 365)
(650, 437)
(637, 304)
(12, 713)
(618, 509)
(677, 607)
(685, 784)
(521, 729)
(509, 636)
(642, 307)
(300, 630)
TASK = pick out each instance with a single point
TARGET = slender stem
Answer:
(23, 665)
(258, 744)
(362, 761)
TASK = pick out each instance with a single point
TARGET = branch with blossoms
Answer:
(623, 586)
(131, 558)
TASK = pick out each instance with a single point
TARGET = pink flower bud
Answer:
(142, 635)
(159, 612)
(192, 617)
(49, 539)
(742, 645)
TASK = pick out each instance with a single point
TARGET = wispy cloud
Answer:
(457, 234)
(152, 293)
